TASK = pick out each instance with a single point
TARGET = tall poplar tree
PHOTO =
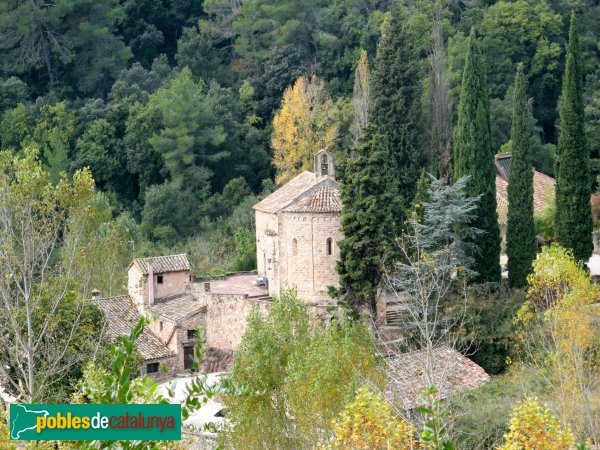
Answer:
(395, 95)
(573, 223)
(474, 157)
(520, 230)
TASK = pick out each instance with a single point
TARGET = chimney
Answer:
(95, 294)
(207, 287)
(150, 282)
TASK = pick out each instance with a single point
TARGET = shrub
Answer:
(370, 423)
(533, 427)
(486, 409)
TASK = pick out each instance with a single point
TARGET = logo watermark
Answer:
(95, 422)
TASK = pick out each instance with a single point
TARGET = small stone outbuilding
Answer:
(452, 372)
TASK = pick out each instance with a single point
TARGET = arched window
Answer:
(324, 165)
(294, 247)
(329, 246)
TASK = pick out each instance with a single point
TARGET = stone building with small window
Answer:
(159, 288)
(298, 228)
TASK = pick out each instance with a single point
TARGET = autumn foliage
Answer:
(558, 339)
(304, 125)
(369, 423)
(533, 427)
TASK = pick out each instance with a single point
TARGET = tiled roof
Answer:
(543, 188)
(287, 193)
(322, 200)
(177, 307)
(163, 264)
(121, 316)
(452, 373)
(543, 194)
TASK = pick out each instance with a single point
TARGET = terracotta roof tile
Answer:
(287, 193)
(453, 372)
(177, 307)
(325, 199)
(163, 264)
(543, 194)
(543, 188)
(121, 316)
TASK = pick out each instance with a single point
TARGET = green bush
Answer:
(488, 330)
(479, 418)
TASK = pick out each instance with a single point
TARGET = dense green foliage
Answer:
(367, 221)
(520, 231)
(474, 157)
(573, 220)
(395, 112)
(179, 96)
(300, 374)
(57, 243)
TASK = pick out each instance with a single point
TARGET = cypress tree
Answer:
(474, 157)
(395, 95)
(366, 220)
(520, 230)
(380, 182)
(573, 222)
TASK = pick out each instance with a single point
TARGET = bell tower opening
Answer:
(324, 164)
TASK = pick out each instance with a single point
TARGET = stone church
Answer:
(297, 230)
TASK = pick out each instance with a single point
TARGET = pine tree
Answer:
(520, 230)
(573, 223)
(366, 220)
(474, 158)
(396, 105)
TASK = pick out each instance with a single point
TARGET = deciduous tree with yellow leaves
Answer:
(559, 344)
(305, 124)
(533, 427)
(370, 423)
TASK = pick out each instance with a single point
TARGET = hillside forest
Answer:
(180, 109)
(133, 128)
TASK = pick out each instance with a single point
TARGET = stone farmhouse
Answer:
(544, 188)
(161, 289)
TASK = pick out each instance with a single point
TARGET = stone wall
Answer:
(173, 283)
(137, 285)
(170, 363)
(304, 261)
(267, 248)
(226, 317)
(175, 335)
(182, 340)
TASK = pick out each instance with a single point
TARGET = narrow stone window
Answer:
(329, 246)
(159, 279)
(160, 326)
(324, 165)
(191, 334)
(152, 368)
(294, 247)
